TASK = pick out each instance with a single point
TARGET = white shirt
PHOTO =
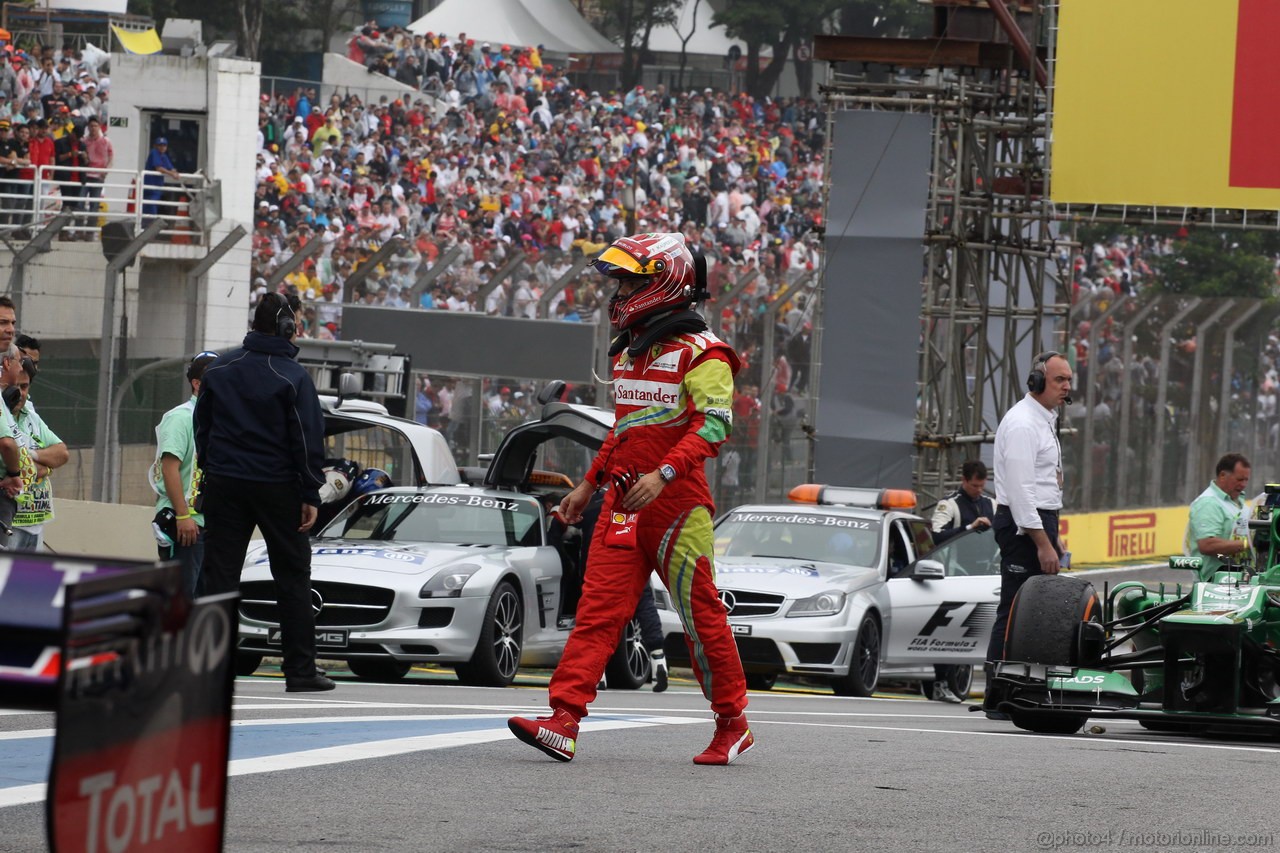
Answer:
(1028, 462)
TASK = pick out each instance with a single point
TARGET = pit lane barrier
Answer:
(1147, 535)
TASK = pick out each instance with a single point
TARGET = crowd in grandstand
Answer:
(497, 152)
(500, 153)
(53, 109)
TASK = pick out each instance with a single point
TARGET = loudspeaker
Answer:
(1035, 379)
(115, 237)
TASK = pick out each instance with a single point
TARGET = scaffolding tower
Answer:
(996, 286)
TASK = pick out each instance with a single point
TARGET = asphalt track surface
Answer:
(429, 765)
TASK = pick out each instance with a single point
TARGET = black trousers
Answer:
(650, 622)
(232, 508)
(1019, 562)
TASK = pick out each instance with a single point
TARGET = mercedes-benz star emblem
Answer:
(317, 602)
(729, 602)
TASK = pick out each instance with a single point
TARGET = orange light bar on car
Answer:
(806, 493)
(811, 493)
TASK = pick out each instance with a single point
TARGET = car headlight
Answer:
(662, 599)
(826, 603)
(448, 584)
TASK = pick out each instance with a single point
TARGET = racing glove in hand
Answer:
(625, 478)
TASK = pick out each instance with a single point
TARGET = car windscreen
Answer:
(800, 536)
(455, 519)
(372, 445)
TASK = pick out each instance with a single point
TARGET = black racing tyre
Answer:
(497, 656)
(1044, 628)
(1045, 619)
(379, 669)
(864, 665)
(629, 667)
(1048, 723)
(247, 663)
(761, 680)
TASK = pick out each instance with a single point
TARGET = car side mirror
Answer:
(927, 570)
(553, 391)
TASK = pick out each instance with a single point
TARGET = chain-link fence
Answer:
(1166, 385)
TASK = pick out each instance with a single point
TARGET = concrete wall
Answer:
(226, 91)
(85, 528)
(64, 287)
(74, 480)
(341, 75)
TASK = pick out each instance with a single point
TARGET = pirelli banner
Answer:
(1167, 102)
(1109, 538)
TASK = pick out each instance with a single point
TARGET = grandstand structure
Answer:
(999, 254)
(996, 290)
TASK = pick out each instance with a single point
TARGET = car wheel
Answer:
(629, 667)
(864, 667)
(379, 669)
(761, 680)
(959, 679)
(1045, 620)
(1044, 628)
(247, 663)
(497, 656)
(1050, 723)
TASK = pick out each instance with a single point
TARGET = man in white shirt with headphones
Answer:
(1028, 475)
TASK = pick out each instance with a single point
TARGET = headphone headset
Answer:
(286, 324)
(1036, 379)
(200, 356)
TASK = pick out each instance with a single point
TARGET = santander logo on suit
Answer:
(640, 392)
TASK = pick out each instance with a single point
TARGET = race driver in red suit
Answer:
(673, 388)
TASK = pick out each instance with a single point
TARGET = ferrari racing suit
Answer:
(673, 407)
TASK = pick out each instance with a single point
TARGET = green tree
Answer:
(632, 21)
(776, 24)
(1208, 263)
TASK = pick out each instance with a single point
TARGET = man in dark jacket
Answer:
(967, 508)
(259, 438)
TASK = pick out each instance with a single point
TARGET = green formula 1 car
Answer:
(1187, 657)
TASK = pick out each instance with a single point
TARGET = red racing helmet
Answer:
(665, 265)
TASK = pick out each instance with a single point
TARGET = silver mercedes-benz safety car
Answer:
(844, 585)
(470, 574)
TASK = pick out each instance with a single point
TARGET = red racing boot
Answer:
(733, 737)
(556, 735)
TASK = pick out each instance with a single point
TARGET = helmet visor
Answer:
(616, 263)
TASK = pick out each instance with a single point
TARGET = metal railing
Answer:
(121, 195)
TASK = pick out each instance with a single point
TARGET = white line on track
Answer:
(26, 733)
(25, 794)
(1072, 738)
